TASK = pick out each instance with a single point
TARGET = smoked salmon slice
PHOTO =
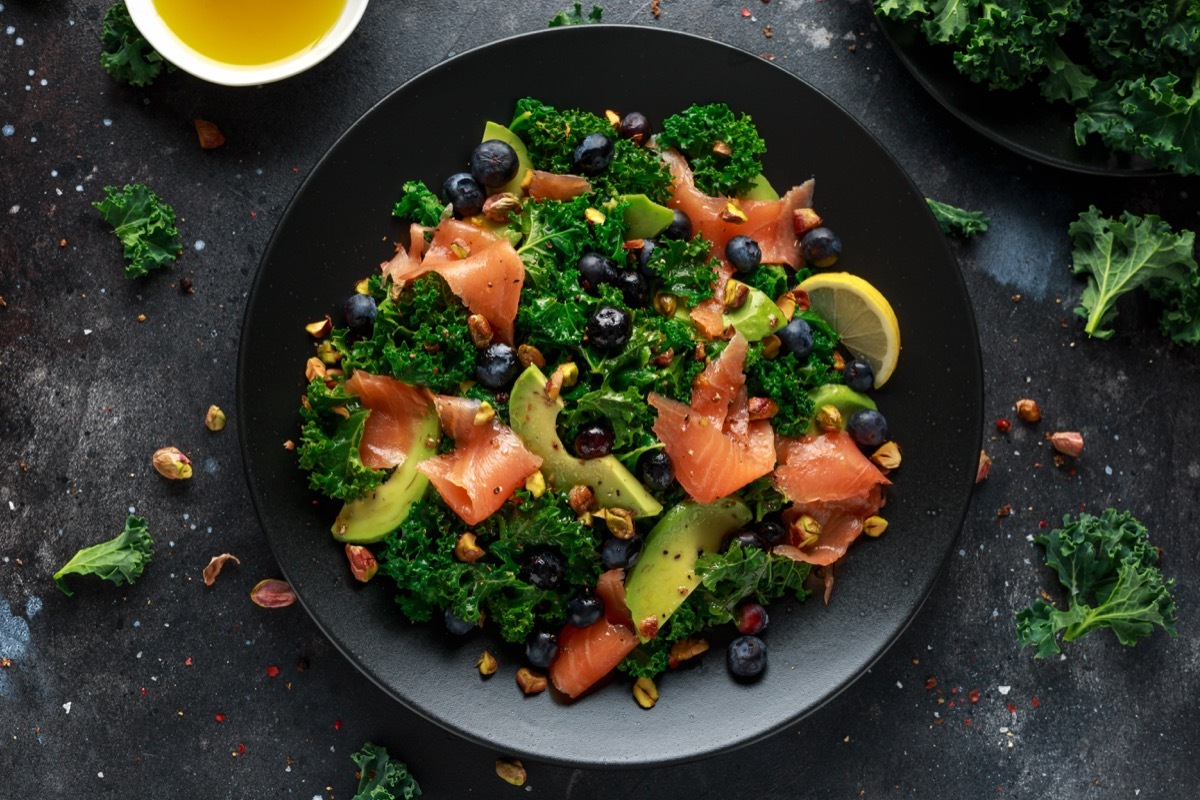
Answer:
(397, 412)
(585, 655)
(714, 446)
(768, 222)
(488, 279)
(487, 464)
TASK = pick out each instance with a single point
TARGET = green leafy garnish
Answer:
(329, 443)
(381, 777)
(127, 56)
(705, 134)
(787, 380)
(419, 204)
(144, 224)
(576, 17)
(120, 560)
(957, 221)
(1110, 571)
(1119, 255)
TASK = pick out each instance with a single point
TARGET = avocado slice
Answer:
(644, 217)
(761, 189)
(369, 519)
(494, 130)
(666, 572)
(533, 415)
(758, 318)
(841, 397)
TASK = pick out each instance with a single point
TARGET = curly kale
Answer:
(380, 777)
(683, 268)
(1109, 569)
(576, 17)
(144, 224)
(787, 380)
(418, 203)
(126, 55)
(723, 148)
(332, 430)
(956, 221)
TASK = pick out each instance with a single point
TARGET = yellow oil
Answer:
(249, 32)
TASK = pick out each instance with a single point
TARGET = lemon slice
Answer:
(862, 317)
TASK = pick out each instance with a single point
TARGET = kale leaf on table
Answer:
(956, 221)
(575, 16)
(723, 148)
(144, 224)
(1110, 571)
(381, 777)
(126, 55)
(1119, 255)
(120, 560)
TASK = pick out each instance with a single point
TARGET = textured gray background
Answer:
(113, 693)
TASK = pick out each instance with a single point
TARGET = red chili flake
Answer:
(1042, 524)
(967, 720)
(930, 682)
(1035, 702)
(1012, 709)
(143, 691)
(188, 661)
(1003, 425)
(219, 717)
(272, 671)
(254, 213)
(954, 690)
(745, 12)
(950, 704)
(973, 695)
(241, 748)
(337, 724)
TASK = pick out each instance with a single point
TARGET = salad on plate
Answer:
(612, 397)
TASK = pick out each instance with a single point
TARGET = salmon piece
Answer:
(715, 448)
(397, 411)
(827, 468)
(551, 186)
(768, 222)
(585, 655)
(489, 279)
(487, 465)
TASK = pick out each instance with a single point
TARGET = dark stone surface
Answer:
(115, 692)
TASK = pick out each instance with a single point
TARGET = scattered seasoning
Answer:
(289, 445)
(187, 662)
(973, 695)
(1011, 708)
(656, 8)
(241, 749)
(768, 32)
(186, 286)
(1003, 425)
(337, 724)
(7, 662)
(930, 682)
(272, 671)
(1034, 702)
(219, 717)
(1004, 511)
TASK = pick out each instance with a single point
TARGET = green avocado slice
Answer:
(761, 189)
(369, 519)
(758, 318)
(841, 397)
(645, 218)
(665, 574)
(533, 415)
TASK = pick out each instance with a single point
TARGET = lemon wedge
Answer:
(862, 317)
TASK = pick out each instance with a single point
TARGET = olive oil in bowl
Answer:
(249, 33)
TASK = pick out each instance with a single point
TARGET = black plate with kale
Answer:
(934, 401)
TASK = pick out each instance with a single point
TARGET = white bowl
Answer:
(147, 19)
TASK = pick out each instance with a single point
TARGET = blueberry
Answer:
(493, 163)
(360, 310)
(859, 375)
(747, 539)
(746, 657)
(635, 126)
(456, 626)
(680, 227)
(497, 366)
(592, 155)
(634, 289)
(608, 329)
(584, 609)
(642, 256)
(596, 270)
(772, 532)
(868, 427)
(620, 553)
(464, 193)
(657, 471)
(541, 648)
(743, 253)
(751, 618)
(594, 441)
(797, 338)
(821, 247)
(545, 568)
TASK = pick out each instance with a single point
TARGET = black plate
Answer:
(333, 234)
(1023, 121)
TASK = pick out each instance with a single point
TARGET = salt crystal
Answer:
(899, 685)
(67, 706)
(1004, 689)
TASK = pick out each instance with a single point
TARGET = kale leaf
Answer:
(576, 17)
(1119, 255)
(787, 380)
(956, 221)
(683, 268)
(1110, 571)
(381, 777)
(419, 204)
(126, 54)
(120, 560)
(723, 148)
(144, 224)
(1180, 301)
(772, 280)
(332, 430)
